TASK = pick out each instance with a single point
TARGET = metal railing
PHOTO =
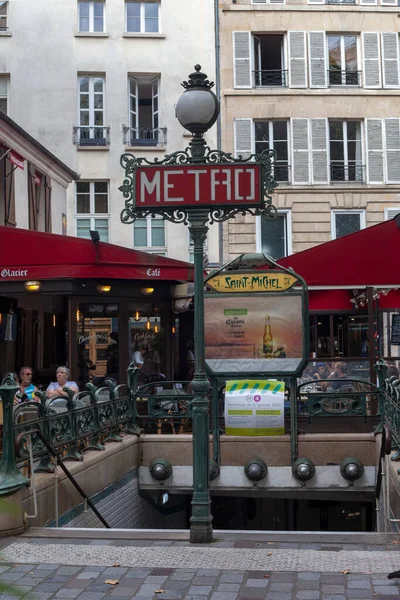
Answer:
(344, 78)
(142, 136)
(351, 172)
(91, 136)
(270, 78)
(164, 405)
(340, 1)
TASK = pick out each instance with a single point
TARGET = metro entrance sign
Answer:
(198, 185)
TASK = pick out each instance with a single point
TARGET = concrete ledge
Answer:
(324, 537)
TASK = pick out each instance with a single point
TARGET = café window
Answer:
(339, 336)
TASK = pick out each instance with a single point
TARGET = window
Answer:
(274, 238)
(345, 222)
(142, 17)
(274, 135)
(92, 209)
(391, 213)
(91, 112)
(191, 252)
(3, 94)
(144, 127)
(91, 16)
(345, 151)
(149, 235)
(269, 61)
(342, 55)
(3, 16)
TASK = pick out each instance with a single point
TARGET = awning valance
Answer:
(26, 254)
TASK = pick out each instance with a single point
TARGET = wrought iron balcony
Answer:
(141, 136)
(349, 78)
(92, 136)
(270, 78)
(353, 172)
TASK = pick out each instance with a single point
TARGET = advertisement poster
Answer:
(253, 334)
(254, 407)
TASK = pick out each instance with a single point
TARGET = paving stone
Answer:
(231, 578)
(176, 585)
(68, 593)
(333, 597)
(386, 589)
(203, 580)
(308, 584)
(359, 584)
(155, 579)
(224, 596)
(208, 572)
(257, 583)
(171, 595)
(334, 578)
(330, 588)
(121, 592)
(200, 589)
(91, 596)
(228, 587)
(282, 577)
(309, 576)
(308, 595)
(48, 587)
(87, 575)
(281, 587)
(161, 571)
(115, 571)
(182, 576)
(360, 594)
(278, 596)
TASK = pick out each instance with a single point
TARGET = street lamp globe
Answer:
(198, 107)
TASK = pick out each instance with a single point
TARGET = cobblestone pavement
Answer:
(52, 569)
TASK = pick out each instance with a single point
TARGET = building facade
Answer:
(318, 81)
(93, 79)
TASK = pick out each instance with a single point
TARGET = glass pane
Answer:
(3, 105)
(335, 62)
(262, 131)
(84, 100)
(133, 9)
(273, 237)
(151, 26)
(346, 223)
(98, 9)
(98, 100)
(133, 24)
(98, 24)
(350, 52)
(3, 86)
(83, 228)
(84, 84)
(3, 8)
(100, 197)
(353, 130)
(98, 86)
(140, 232)
(83, 197)
(84, 24)
(336, 130)
(101, 225)
(84, 120)
(151, 17)
(157, 232)
(280, 130)
(84, 9)
(281, 151)
(98, 117)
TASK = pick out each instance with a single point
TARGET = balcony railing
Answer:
(349, 173)
(92, 136)
(270, 78)
(349, 78)
(340, 1)
(141, 136)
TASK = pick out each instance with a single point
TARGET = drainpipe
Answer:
(218, 94)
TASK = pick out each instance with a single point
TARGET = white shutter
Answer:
(375, 158)
(392, 130)
(242, 59)
(317, 57)
(371, 60)
(319, 150)
(297, 59)
(243, 137)
(390, 60)
(301, 152)
(391, 213)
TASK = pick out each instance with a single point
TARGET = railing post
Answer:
(132, 377)
(73, 451)
(45, 465)
(11, 479)
(94, 442)
(380, 368)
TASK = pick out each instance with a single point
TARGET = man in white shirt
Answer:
(138, 356)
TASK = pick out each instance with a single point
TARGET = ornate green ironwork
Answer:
(349, 400)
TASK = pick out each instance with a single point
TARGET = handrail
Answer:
(58, 457)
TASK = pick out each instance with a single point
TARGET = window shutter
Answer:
(243, 136)
(242, 59)
(392, 130)
(391, 213)
(47, 204)
(297, 59)
(317, 54)
(390, 60)
(319, 150)
(375, 160)
(301, 153)
(32, 199)
(7, 176)
(371, 59)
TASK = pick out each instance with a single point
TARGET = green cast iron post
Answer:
(201, 529)
(11, 479)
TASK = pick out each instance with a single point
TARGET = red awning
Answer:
(26, 254)
(365, 258)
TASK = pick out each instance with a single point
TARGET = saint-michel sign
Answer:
(270, 281)
(198, 185)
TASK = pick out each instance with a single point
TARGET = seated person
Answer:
(56, 388)
(27, 389)
(321, 372)
(340, 373)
